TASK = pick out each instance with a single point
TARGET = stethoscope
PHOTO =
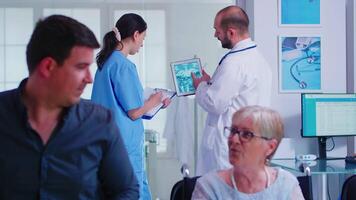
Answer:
(236, 51)
(231, 52)
(311, 60)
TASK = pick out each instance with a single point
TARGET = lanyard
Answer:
(231, 52)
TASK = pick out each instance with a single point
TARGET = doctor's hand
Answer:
(197, 81)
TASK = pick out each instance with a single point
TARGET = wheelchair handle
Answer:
(185, 170)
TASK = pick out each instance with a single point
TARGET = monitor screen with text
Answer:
(328, 115)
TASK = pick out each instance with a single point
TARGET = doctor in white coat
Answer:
(243, 77)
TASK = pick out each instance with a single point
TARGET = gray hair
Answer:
(268, 122)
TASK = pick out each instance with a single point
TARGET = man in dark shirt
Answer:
(54, 145)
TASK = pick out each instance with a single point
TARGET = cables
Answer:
(333, 144)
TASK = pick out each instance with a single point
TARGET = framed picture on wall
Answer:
(300, 64)
(299, 12)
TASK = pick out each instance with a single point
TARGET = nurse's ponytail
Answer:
(125, 27)
(109, 45)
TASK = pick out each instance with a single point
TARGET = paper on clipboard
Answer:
(165, 94)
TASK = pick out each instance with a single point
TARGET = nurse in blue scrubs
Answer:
(117, 86)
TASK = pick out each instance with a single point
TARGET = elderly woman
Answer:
(253, 138)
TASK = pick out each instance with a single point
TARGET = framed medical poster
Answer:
(300, 64)
(181, 71)
(299, 12)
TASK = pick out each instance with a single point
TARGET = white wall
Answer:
(265, 31)
(351, 54)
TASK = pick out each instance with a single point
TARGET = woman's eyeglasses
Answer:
(244, 135)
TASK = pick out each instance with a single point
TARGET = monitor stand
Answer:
(322, 147)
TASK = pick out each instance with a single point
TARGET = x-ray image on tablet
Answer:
(182, 71)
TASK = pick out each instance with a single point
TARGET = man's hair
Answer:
(54, 37)
(234, 17)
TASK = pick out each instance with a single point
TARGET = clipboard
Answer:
(148, 92)
(181, 71)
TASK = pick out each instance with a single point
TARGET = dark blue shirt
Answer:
(84, 158)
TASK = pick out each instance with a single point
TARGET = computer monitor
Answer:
(328, 115)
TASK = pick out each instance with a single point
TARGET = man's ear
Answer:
(230, 32)
(46, 66)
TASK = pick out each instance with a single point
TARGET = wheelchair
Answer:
(183, 189)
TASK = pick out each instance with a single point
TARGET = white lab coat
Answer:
(243, 78)
(180, 128)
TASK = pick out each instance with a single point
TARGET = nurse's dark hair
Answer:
(54, 37)
(127, 25)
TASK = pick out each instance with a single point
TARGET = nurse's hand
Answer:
(154, 99)
(197, 81)
(166, 102)
(151, 102)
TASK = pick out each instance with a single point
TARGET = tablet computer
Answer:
(181, 71)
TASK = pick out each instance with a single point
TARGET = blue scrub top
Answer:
(118, 87)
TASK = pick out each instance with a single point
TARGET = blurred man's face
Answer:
(69, 79)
